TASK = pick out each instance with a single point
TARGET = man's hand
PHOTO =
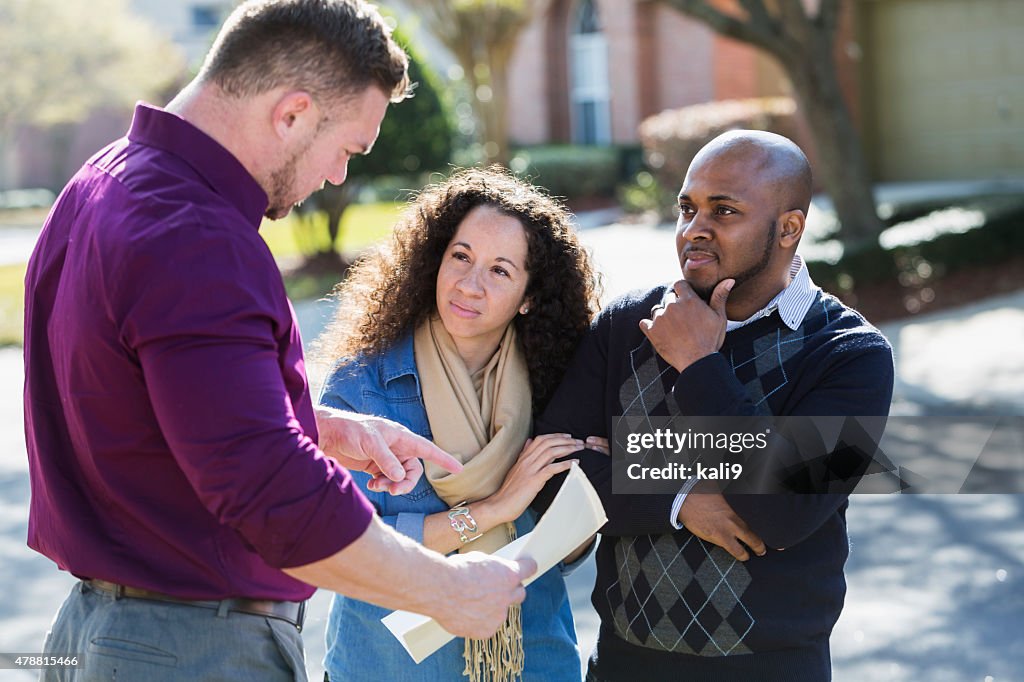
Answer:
(708, 516)
(388, 451)
(483, 588)
(687, 329)
(468, 594)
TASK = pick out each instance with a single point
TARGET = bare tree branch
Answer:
(726, 24)
(761, 17)
(804, 45)
(797, 23)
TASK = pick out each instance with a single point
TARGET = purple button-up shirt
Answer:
(170, 429)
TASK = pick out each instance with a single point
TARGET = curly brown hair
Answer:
(392, 289)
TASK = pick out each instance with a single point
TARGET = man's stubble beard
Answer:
(282, 185)
(748, 274)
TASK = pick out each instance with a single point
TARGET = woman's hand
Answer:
(598, 444)
(536, 464)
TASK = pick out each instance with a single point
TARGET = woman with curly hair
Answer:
(460, 328)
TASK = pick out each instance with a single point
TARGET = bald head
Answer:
(742, 211)
(772, 159)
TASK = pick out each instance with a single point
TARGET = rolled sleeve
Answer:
(315, 526)
(222, 360)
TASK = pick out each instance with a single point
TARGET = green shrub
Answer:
(391, 188)
(999, 236)
(644, 194)
(415, 138)
(672, 138)
(570, 171)
(416, 134)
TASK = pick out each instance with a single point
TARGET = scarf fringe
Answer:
(499, 658)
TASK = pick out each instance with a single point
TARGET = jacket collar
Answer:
(399, 362)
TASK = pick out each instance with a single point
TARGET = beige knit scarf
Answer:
(483, 421)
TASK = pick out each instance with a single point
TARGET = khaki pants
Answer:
(130, 640)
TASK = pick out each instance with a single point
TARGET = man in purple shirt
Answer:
(172, 439)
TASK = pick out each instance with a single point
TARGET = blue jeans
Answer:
(136, 639)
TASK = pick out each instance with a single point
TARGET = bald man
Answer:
(694, 585)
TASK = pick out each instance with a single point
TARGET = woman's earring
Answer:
(524, 310)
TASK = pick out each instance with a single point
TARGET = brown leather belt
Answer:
(289, 611)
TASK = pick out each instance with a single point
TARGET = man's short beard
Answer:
(282, 184)
(748, 274)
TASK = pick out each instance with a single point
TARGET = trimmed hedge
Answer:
(672, 138)
(571, 171)
(1000, 237)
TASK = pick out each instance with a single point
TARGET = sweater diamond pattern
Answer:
(676, 592)
(761, 370)
(671, 606)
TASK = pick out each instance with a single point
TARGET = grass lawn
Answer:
(362, 225)
(12, 300)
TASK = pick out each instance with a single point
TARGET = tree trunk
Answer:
(842, 165)
(333, 200)
(498, 124)
(805, 48)
(490, 114)
(61, 137)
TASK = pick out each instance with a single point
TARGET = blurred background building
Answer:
(936, 86)
(45, 156)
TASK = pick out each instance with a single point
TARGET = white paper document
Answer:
(575, 514)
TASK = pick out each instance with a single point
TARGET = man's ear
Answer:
(792, 228)
(295, 113)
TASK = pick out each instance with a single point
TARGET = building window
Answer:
(588, 69)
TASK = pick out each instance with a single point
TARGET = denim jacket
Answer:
(358, 645)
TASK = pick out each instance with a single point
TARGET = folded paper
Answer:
(575, 514)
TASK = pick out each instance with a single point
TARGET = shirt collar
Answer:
(224, 173)
(793, 302)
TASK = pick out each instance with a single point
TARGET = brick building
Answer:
(936, 86)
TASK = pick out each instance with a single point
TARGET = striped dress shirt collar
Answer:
(793, 302)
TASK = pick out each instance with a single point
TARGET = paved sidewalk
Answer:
(936, 583)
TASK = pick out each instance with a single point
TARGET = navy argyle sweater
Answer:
(672, 606)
